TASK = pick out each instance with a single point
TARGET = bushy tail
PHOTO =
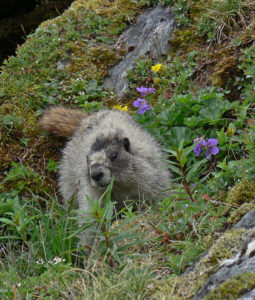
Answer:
(61, 121)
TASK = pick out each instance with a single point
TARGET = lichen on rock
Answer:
(240, 212)
(234, 287)
(189, 283)
(242, 192)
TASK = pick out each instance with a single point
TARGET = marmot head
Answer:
(109, 156)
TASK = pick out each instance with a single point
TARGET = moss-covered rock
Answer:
(242, 192)
(192, 280)
(237, 215)
(234, 287)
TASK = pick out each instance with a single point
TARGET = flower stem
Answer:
(111, 262)
(186, 185)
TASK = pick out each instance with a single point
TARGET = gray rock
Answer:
(150, 36)
(248, 296)
(244, 261)
(247, 221)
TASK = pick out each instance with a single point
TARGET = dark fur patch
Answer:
(102, 142)
(126, 144)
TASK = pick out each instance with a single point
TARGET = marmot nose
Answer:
(97, 176)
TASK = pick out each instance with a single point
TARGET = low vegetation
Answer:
(198, 102)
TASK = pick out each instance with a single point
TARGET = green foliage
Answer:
(52, 281)
(110, 243)
(185, 224)
(52, 166)
(45, 234)
(187, 116)
(248, 68)
(218, 18)
(10, 121)
(14, 218)
(247, 63)
(180, 113)
(183, 166)
(83, 91)
(22, 178)
(36, 65)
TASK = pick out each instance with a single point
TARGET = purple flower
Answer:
(144, 108)
(211, 149)
(198, 148)
(144, 91)
(142, 104)
(137, 103)
(151, 91)
(210, 146)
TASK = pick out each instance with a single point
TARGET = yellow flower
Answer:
(230, 131)
(156, 68)
(120, 107)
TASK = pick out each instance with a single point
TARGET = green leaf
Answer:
(174, 153)
(191, 122)
(195, 168)
(190, 148)
(183, 160)
(181, 145)
(210, 114)
(175, 169)
(7, 222)
(177, 134)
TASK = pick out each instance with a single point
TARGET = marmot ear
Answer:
(126, 144)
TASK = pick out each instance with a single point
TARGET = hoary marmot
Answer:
(102, 145)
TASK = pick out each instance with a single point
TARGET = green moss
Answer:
(242, 192)
(102, 56)
(224, 70)
(237, 215)
(182, 40)
(234, 287)
(84, 35)
(50, 284)
(92, 64)
(187, 285)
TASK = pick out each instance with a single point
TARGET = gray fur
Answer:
(110, 143)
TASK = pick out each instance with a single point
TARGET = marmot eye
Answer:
(114, 156)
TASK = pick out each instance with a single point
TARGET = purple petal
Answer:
(214, 150)
(212, 142)
(203, 143)
(142, 90)
(208, 152)
(144, 108)
(197, 150)
(138, 102)
(151, 90)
